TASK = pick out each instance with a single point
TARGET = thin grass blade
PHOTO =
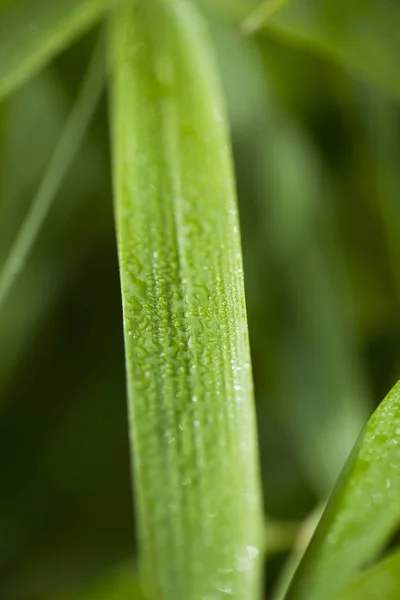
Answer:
(69, 142)
(261, 14)
(362, 36)
(31, 34)
(362, 513)
(187, 354)
(305, 533)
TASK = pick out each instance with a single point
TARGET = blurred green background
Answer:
(317, 155)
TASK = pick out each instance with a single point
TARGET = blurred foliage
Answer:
(316, 147)
(380, 581)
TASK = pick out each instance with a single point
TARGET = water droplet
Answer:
(196, 423)
(225, 590)
(225, 571)
(194, 398)
(252, 552)
(245, 557)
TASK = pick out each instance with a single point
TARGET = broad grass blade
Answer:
(362, 513)
(187, 355)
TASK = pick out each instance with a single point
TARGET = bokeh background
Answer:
(317, 156)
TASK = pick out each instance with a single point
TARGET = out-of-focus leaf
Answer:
(32, 33)
(235, 9)
(306, 203)
(315, 350)
(379, 147)
(358, 34)
(188, 365)
(58, 471)
(122, 584)
(380, 582)
(305, 532)
(72, 134)
(40, 110)
(362, 513)
(259, 15)
(34, 119)
(37, 107)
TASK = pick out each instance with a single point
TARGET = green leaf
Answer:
(66, 149)
(187, 353)
(31, 35)
(305, 532)
(362, 513)
(378, 148)
(381, 582)
(358, 34)
(315, 354)
(121, 584)
(261, 14)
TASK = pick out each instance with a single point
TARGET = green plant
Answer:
(197, 480)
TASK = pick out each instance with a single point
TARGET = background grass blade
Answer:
(189, 376)
(315, 353)
(31, 36)
(259, 15)
(362, 513)
(305, 533)
(381, 581)
(120, 584)
(63, 156)
(358, 35)
(371, 48)
(380, 143)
